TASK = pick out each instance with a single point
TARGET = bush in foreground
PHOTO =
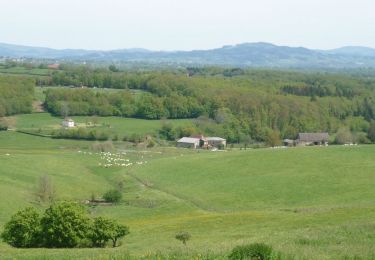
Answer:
(105, 229)
(63, 225)
(23, 229)
(256, 251)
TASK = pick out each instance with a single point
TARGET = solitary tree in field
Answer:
(344, 136)
(45, 190)
(273, 138)
(183, 237)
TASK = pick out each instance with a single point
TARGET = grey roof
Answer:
(215, 139)
(189, 140)
(313, 137)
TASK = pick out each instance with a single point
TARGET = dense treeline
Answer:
(238, 104)
(86, 102)
(16, 95)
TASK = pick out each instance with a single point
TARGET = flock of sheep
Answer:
(114, 159)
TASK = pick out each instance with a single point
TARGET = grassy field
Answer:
(308, 203)
(25, 71)
(113, 125)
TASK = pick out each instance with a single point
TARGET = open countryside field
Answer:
(113, 125)
(308, 203)
(25, 71)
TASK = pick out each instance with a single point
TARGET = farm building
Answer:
(54, 66)
(312, 139)
(188, 142)
(67, 122)
(216, 142)
(288, 142)
(201, 142)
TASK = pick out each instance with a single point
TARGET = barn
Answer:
(188, 142)
(312, 139)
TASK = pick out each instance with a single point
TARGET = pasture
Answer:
(113, 125)
(308, 203)
(25, 71)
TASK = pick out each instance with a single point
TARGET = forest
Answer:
(241, 105)
(238, 104)
(16, 95)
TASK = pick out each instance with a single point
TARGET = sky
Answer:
(186, 25)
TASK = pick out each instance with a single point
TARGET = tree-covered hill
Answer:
(245, 55)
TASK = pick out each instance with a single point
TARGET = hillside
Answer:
(246, 55)
(309, 203)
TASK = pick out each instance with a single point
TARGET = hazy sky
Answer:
(191, 24)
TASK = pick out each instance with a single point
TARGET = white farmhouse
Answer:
(68, 123)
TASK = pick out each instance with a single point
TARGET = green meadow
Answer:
(308, 203)
(25, 71)
(113, 125)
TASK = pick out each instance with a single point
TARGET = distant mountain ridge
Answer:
(260, 54)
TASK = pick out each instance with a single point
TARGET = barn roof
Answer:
(313, 137)
(189, 140)
(215, 139)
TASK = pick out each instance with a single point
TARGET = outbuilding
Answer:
(67, 122)
(188, 142)
(217, 142)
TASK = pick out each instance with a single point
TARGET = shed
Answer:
(216, 142)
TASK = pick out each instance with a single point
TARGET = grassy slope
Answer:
(314, 203)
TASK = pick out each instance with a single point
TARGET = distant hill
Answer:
(247, 54)
(354, 51)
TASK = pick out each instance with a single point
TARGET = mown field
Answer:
(308, 203)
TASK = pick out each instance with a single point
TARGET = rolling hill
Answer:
(308, 203)
(247, 55)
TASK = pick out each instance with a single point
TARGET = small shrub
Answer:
(183, 237)
(151, 143)
(3, 127)
(113, 196)
(258, 251)
(103, 147)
